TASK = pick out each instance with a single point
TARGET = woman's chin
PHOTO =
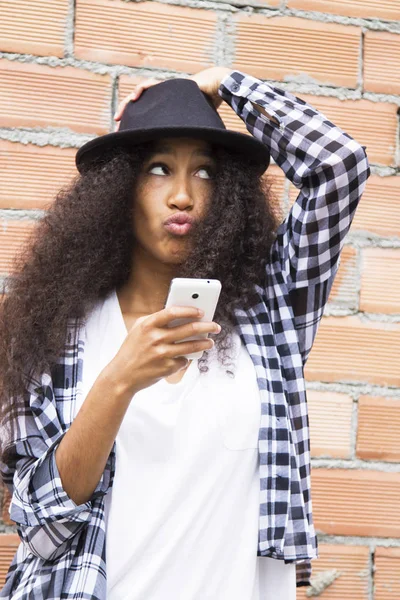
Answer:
(176, 259)
(177, 255)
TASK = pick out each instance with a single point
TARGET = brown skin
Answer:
(182, 187)
(181, 184)
(149, 351)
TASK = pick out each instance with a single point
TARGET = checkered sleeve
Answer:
(330, 170)
(46, 517)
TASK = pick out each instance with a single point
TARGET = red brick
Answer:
(350, 563)
(13, 235)
(360, 118)
(40, 96)
(364, 9)
(146, 34)
(349, 349)
(289, 46)
(379, 208)
(344, 290)
(380, 280)
(330, 437)
(378, 436)
(387, 573)
(231, 119)
(372, 124)
(356, 502)
(33, 27)
(42, 169)
(8, 547)
(382, 61)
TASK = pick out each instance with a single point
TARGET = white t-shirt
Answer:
(182, 515)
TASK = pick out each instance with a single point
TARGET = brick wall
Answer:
(64, 65)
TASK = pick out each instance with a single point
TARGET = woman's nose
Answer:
(181, 196)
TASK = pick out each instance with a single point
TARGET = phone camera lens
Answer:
(195, 296)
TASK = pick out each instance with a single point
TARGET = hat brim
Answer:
(233, 140)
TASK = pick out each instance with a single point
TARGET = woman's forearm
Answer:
(83, 452)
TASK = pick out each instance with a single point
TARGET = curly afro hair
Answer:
(82, 248)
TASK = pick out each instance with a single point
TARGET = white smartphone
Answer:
(201, 293)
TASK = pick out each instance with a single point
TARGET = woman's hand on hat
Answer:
(138, 89)
(208, 81)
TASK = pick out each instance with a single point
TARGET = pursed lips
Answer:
(179, 224)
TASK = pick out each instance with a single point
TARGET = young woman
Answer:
(135, 474)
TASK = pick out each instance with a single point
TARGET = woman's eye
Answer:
(158, 166)
(162, 168)
(207, 170)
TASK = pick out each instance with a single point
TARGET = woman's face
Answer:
(177, 178)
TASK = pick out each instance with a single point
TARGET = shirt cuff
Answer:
(39, 498)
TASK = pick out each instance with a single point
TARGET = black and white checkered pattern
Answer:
(62, 550)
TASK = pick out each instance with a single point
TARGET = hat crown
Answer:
(174, 103)
(172, 108)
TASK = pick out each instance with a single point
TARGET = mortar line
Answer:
(354, 389)
(357, 464)
(359, 269)
(354, 540)
(391, 26)
(114, 100)
(361, 239)
(70, 30)
(254, 7)
(298, 87)
(354, 429)
(7, 529)
(227, 39)
(397, 151)
(216, 51)
(361, 60)
(334, 309)
(19, 214)
(371, 582)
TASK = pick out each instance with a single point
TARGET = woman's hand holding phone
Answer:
(150, 351)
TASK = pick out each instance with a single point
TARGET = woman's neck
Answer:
(146, 290)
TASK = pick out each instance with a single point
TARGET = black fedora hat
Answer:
(173, 108)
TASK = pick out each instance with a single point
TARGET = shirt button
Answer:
(235, 87)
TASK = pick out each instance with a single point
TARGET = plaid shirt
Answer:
(62, 550)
